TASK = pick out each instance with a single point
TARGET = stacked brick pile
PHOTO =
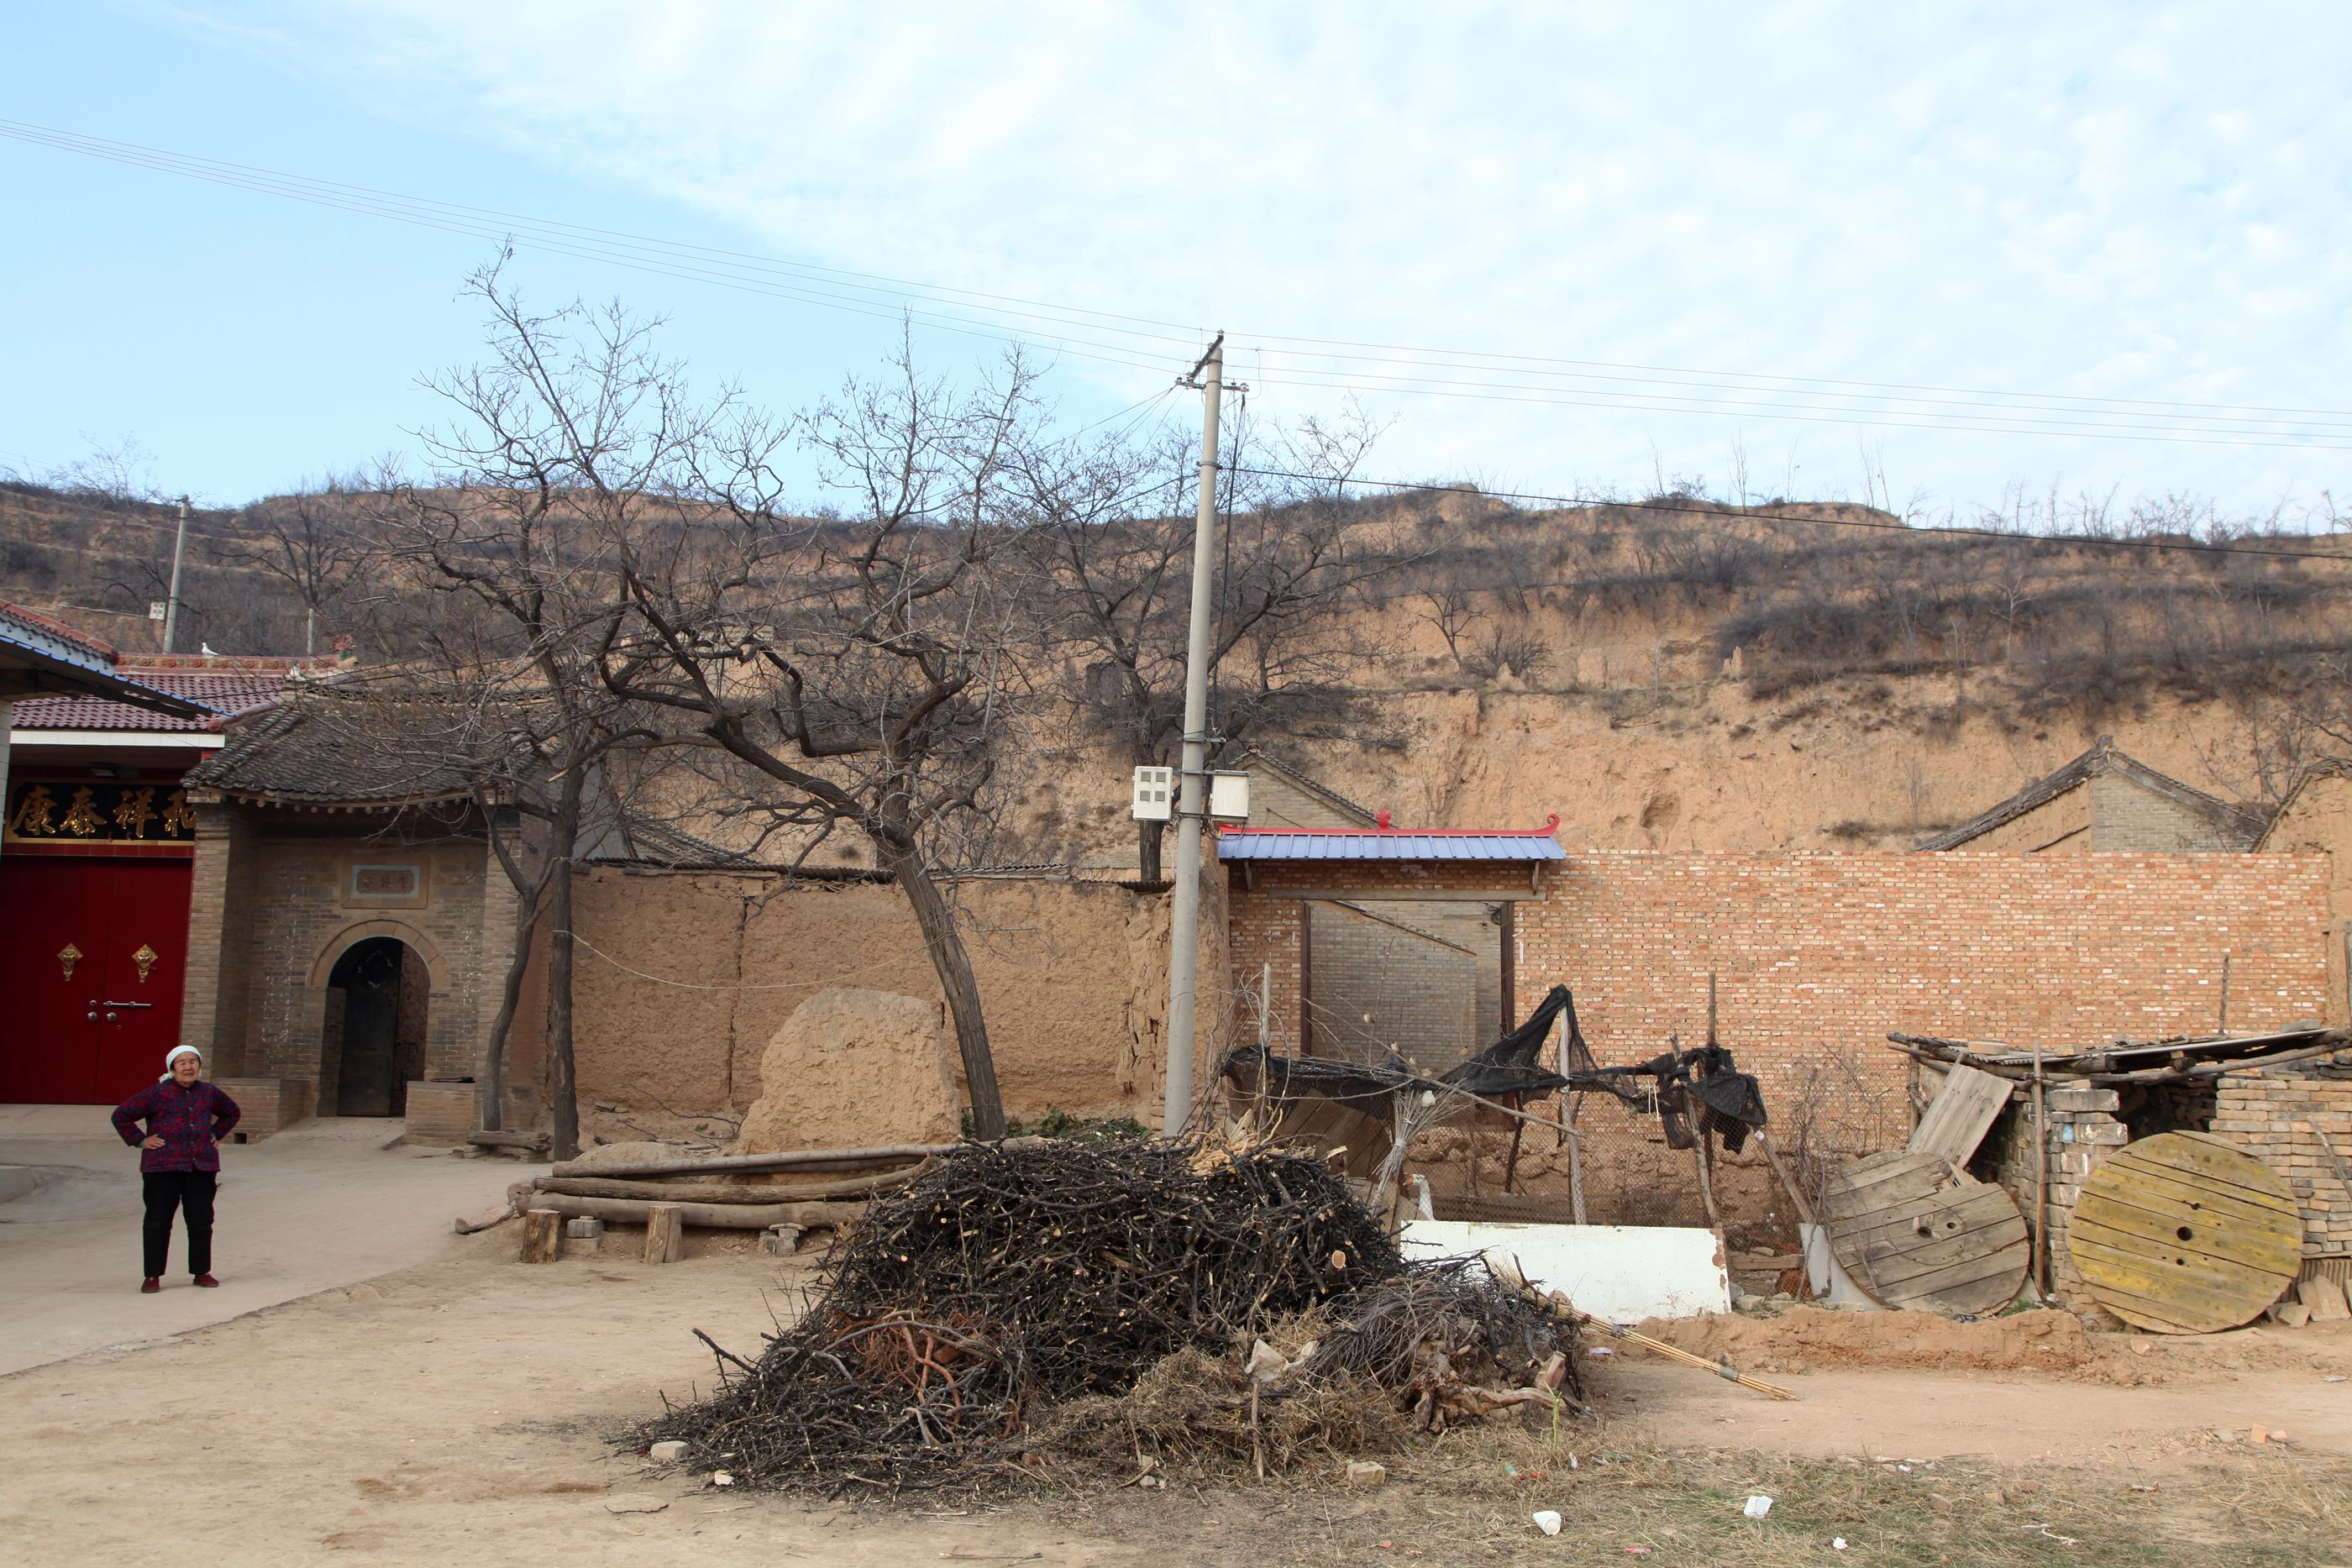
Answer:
(2084, 1133)
(2277, 1114)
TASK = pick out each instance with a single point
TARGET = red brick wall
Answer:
(1823, 953)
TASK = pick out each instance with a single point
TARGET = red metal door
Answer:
(93, 959)
(146, 968)
(56, 926)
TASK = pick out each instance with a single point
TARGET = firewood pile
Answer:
(1005, 1289)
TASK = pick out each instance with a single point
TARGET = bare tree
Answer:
(548, 488)
(1453, 609)
(1293, 547)
(859, 672)
(314, 541)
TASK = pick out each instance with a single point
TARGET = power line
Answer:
(1699, 507)
(1139, 342)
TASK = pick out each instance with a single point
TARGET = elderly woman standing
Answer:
(179, 1160)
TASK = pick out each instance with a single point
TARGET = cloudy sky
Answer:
(1563, 247)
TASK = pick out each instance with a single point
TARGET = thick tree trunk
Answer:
(493, 1112)
(947, 958)
(1148, 838)
(561, 1087)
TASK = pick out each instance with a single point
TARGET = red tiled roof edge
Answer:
(56, 627)
(1551, 826)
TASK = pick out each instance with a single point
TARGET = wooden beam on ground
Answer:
(666, 1190)
(789, 1160)
(707, 1215)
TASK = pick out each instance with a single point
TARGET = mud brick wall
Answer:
(684, 976)
(2277, 1114)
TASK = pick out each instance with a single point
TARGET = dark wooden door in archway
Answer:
(381, 1047)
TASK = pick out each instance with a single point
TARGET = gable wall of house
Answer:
(2127, 815)
(1276, 801)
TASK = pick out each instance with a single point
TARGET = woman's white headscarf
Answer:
(173, 1055)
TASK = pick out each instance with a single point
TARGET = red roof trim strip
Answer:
(1551, 826)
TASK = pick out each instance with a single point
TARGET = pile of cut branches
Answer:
(1011, 1280)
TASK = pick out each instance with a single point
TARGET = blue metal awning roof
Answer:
(1376, 844)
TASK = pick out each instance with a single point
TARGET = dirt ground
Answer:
(459, 1411)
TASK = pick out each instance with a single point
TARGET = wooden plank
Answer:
(2247, 1267)
(2137, 1289)
(1963, 1111)
(1988, 1227)
(2230, 1173)
(1882, 1180)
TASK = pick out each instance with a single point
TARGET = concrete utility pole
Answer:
(1192, 795)
(172, 599)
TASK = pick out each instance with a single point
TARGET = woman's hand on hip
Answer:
(155, 1141)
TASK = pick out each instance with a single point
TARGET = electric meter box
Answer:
(1155, 794)
(1229, 796)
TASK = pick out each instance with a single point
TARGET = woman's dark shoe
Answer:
(207, 1282)
(148, 1287)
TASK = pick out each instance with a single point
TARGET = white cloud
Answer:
(2120, 201)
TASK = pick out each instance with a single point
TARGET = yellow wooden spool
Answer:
(1917, 1231)
(2183, 1233)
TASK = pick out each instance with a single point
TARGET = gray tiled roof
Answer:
(316, 749)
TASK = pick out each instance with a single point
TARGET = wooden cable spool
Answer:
(2184, 1233)
(1914, 1230)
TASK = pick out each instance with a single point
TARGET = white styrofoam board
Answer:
(1619, 1273)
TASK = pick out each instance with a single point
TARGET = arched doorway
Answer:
(376, 998)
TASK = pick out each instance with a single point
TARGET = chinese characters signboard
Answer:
(70, 811)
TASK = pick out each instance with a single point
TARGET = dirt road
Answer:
(458, 1412)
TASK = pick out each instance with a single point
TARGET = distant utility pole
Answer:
(172, 599)
(1191, 799)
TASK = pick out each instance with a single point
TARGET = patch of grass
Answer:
(1470, 1496)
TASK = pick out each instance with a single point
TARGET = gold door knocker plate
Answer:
(67, 957)
(146, 959)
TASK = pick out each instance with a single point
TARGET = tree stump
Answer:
(542, 1236)
(664, 1233)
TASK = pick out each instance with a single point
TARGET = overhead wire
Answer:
(1142, 342)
